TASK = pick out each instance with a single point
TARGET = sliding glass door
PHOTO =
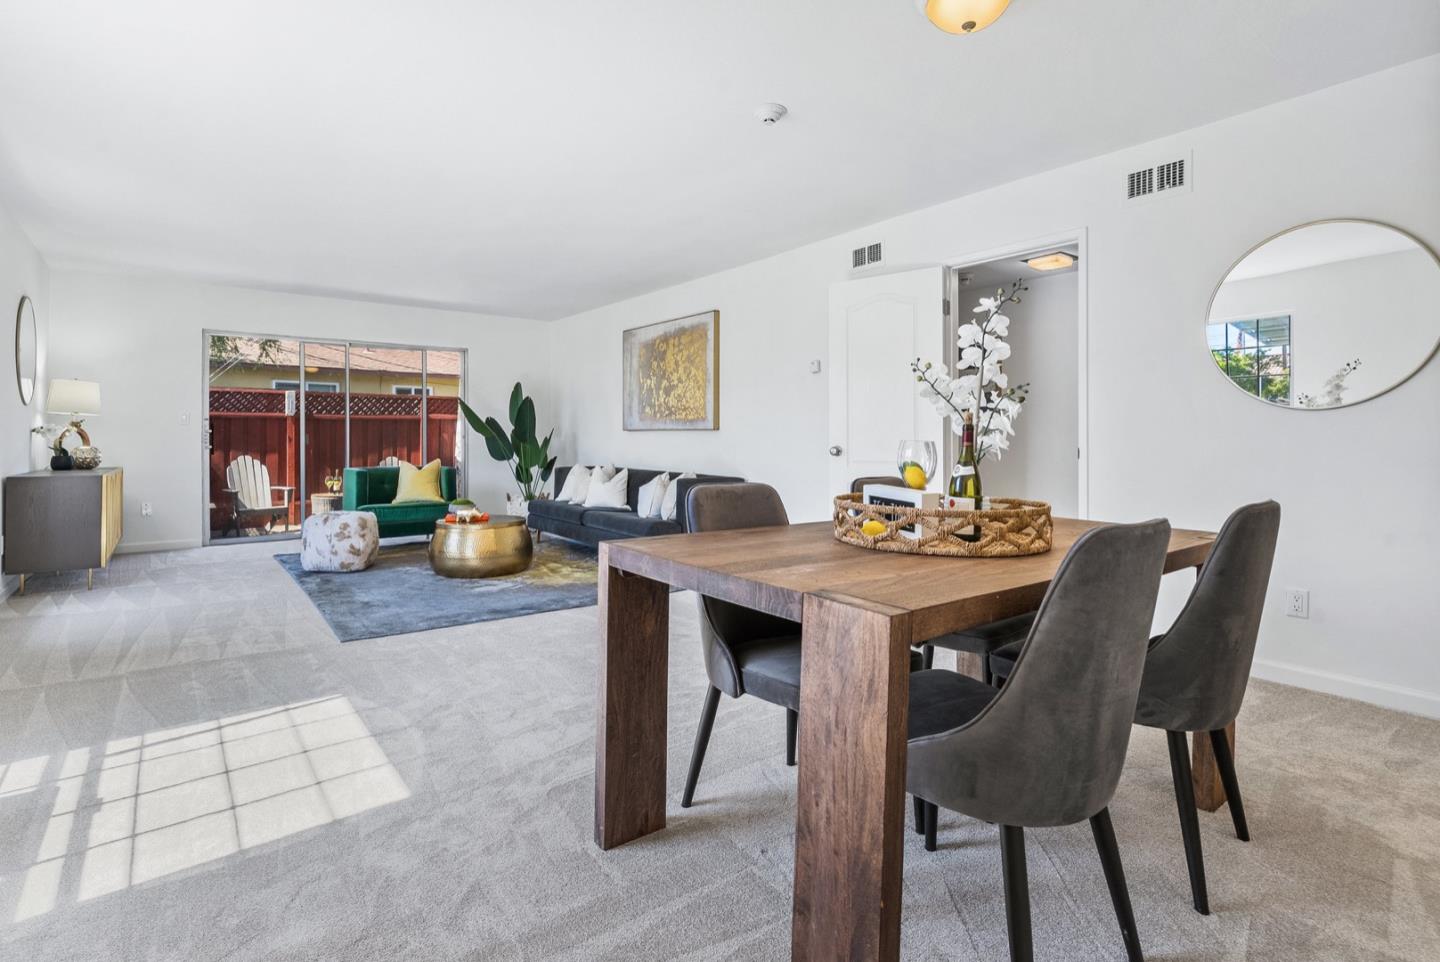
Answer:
(285, 416)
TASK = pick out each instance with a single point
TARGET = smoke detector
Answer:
(769, 114)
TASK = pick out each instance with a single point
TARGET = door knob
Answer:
(835, 451)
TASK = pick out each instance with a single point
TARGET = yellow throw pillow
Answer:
(419, 484)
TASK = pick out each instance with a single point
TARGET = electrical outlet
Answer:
(1297, 602)
(184, 418)
(146, 509)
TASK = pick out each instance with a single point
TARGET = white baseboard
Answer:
(140, 547)
(1380, 693)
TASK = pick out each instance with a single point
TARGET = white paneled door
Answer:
(878, 325)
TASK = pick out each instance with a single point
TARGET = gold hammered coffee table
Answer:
(500, 546)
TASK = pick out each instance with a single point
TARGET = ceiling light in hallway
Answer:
(1051, 262)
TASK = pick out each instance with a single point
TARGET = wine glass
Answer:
(917, 462)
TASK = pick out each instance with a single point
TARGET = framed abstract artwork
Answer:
(672, 375)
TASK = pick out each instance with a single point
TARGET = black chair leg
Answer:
(1017, 893)
(702, 739)
(1104, 832)
(792, 717)
(919, 815)
(1189, 819)
(927, 656)
(932, 819)
(1225, 761)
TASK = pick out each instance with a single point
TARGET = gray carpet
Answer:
(195, 770)
(400, 593)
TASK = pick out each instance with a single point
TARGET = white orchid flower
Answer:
(999, 324)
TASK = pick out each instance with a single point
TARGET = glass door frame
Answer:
(302, 494)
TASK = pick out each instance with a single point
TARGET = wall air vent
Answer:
(1167, 177)
(867, 256)
(1139, 183)
(1170, 175)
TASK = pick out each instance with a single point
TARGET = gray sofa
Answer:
(594, 525)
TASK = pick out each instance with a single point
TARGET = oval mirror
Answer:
(26, 345)
(1326, 314)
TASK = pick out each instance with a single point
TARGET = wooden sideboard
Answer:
(62, 521)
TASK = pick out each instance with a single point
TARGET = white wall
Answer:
(22, 271)
(1165, 435)
(1385, 310)
(140, 337)
(1044, 343)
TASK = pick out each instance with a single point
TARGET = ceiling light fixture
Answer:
(1051, 262)
(962, 16)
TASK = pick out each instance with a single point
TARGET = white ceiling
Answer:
(537, 159)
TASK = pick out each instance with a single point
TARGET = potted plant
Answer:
(527, 456)
(54, 436)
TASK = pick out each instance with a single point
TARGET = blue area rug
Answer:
(400, 593)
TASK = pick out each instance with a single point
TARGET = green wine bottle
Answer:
(965, 478)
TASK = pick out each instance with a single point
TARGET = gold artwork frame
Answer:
(672, 374)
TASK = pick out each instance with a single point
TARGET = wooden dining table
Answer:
(860, 612)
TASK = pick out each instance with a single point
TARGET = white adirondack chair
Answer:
(252, 496)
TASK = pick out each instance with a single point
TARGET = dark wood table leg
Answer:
(630, 715)
(850, 818)
(1209, 791)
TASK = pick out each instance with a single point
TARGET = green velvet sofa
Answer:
(373, 489)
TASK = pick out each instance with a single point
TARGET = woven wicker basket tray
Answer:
(1008, 529)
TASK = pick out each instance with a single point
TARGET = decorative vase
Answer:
(916, 462)
(61, 462)
(86, 457)
(519, 507)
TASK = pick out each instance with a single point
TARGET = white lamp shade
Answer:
(69, 396)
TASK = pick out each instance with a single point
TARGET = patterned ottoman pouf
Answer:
(339, 541)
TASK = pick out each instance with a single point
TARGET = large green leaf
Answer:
(477, 423)
(549, 467)
(529, 455)
(516, 396)
(496, 441)
(525, 420)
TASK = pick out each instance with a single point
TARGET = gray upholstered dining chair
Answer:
(747, 652)
(1196, 673)
(1048, 748)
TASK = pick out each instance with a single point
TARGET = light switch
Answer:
(184, 418)
(814, 367)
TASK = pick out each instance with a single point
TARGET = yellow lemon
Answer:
(914, 476)
(873, 528)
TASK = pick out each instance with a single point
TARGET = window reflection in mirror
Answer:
(1326, 315)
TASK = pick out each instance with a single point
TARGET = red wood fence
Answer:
(265, 424)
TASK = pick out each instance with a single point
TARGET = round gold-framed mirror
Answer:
(1326, 314)
(27, 347)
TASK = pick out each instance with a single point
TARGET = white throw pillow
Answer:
(576, 486)
(603, 472)
(652, 496)
(668, 510)
(609, 494)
